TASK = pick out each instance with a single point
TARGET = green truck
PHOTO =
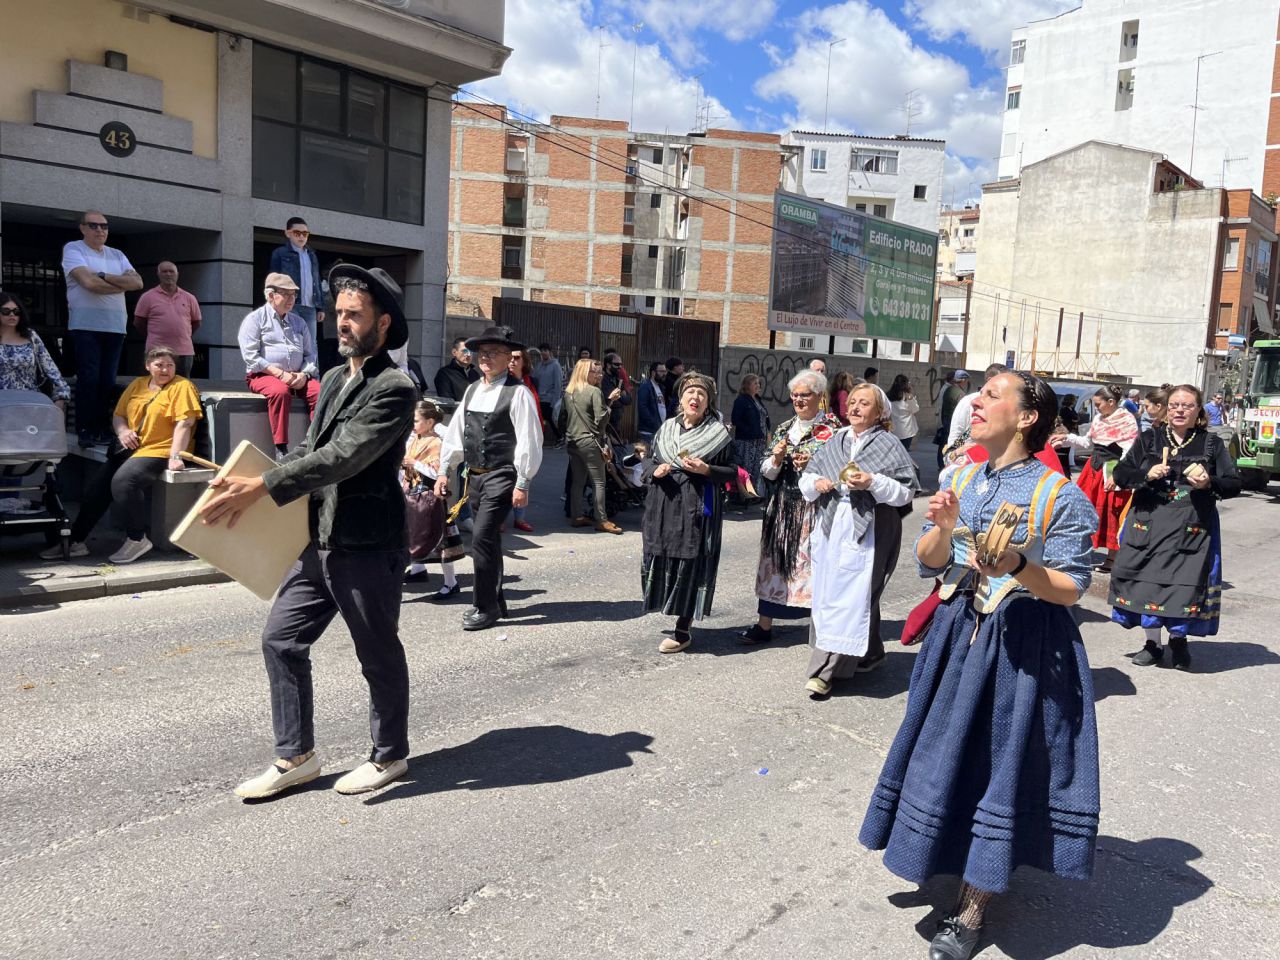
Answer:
(1259, 450)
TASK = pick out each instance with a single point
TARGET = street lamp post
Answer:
(826, 101)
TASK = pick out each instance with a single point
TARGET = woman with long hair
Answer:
(25, 363)
(521, 367)
(860, 481)
(838, 395)
(903, 407)
(1154, 408)
(586, 422)
(688, 466)
(784, 575)
(1168, 573)
(995, 765)
(1111, 433)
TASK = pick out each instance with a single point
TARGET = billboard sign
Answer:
(843, 273)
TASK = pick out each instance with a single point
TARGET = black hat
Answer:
(386, 294)
(499, 335)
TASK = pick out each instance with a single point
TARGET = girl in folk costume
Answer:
(431, 535)
(860, 481)
(995, 765)
(1111, 434)
(784, 575)
(1168, 573)
(688, 466)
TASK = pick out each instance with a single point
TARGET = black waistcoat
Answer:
(489, 439)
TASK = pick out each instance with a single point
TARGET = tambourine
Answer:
(993, 543)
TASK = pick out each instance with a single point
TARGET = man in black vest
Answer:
(348, 467)
(496, 432)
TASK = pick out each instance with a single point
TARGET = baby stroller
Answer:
(33, 441)
(622, 483)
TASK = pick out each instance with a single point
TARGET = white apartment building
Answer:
(958, 243)
(1192, 79)
(896, 178)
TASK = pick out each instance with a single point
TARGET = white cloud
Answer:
(677, 22)
(558, 61)
(986, 24)
(873, 71)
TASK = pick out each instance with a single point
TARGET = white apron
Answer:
(842, 570)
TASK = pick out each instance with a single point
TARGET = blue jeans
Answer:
(309, 315)
(97, 359)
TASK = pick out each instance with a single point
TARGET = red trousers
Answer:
(280, 399)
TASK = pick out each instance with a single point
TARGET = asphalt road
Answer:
(572, 794)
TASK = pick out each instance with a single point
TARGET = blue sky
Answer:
(761, 65)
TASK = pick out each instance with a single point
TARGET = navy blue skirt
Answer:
(995, 765)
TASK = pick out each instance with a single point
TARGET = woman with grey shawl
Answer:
(688, 466)
(855, 541)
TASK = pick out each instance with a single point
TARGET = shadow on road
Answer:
(1220, 656)
(515, 757)
(1111, 682)
(1135, 889)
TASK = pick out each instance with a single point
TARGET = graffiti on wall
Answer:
(775, 370)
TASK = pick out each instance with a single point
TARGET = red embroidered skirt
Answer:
(1110, 505)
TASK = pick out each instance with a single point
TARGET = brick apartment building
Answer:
(587, 213)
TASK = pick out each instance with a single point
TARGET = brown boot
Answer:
(608, 526)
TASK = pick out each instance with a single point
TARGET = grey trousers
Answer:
(364, 587)
(586, 461)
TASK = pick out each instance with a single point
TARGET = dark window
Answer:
(511, 256)
(880, 210)
(657, 154)
(626, 263)
(860, 207)
(655, 200)
(327, 136)
(653, 251)
(275, 84)
(922, 191)
(649, 301)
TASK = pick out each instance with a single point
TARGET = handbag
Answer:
(425, 519)
(920, 619)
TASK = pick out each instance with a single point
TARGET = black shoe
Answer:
(1178, 648)
(422, 576)
(867, 664)
(953, 941)
(446, 593)
(1150, 654)
(755, 634)
(479, 619)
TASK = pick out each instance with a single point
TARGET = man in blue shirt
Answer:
(1213, 410)
(298, 261)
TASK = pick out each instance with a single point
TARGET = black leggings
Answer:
(125, 480)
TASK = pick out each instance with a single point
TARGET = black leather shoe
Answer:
(755, 634)
(422, 576)
(1181, 658)
(1150, 654)
(445, 593)
(953, 941)
(479, 619)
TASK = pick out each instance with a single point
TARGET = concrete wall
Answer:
(1069, 83)
(777, 367)
(1140, 265)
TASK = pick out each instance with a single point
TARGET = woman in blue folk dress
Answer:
(995, 765)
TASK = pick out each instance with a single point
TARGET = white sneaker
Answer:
(369, 776)
(55, 552)
(131, 550)
(276, 779)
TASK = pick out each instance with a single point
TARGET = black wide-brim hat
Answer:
(386, 294)
(498, 335)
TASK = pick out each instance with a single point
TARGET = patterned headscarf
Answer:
(702, 442)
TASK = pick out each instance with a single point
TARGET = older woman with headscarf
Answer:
(784, 576)
(688, 466)
(860, 480)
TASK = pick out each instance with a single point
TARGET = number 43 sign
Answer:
(117, 139)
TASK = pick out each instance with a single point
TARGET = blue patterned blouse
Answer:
(26, 366)
(1068, 546)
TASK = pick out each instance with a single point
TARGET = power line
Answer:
(1114, 316)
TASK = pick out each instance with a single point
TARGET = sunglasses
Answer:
(10, 312)
(94, 225)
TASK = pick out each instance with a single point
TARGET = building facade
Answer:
(958, 243)
(200, 126)
(1135, 273)
(588, 213)
(1195, 79)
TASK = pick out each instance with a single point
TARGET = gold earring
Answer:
(1017, 437)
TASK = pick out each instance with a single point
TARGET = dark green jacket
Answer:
(349, 463)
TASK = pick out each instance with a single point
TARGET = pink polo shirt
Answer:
(168, 319)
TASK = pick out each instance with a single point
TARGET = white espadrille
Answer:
(277, 779)
(370, 776)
